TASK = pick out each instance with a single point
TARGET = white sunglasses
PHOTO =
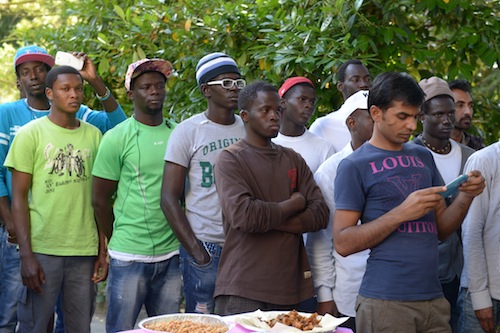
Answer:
(229, 83)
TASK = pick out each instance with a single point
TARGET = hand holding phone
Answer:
(452, 187)
(67, 59)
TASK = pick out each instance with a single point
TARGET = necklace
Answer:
(444, 150)
(34, 112)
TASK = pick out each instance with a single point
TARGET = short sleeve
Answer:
(21, 153)
(108, 162)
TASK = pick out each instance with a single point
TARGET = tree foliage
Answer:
(275, 39)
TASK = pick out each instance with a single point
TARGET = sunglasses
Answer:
(229, 83)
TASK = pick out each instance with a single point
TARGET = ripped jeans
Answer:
(199, 281)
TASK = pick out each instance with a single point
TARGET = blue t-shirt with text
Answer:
(373, 181)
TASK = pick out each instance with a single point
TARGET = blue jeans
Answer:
(69, 275)
(10, 283)
(199, 281)
(468, 322)
(132, 284)
(59, 324)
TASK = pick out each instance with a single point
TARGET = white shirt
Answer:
(335, 277)
(481, 231)
(195, 144)
(313, 149)
(449, 164)
(333, 129)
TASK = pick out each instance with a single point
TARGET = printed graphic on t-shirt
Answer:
(391, 162)
(207, 174)
(13, 130)
(207, 168)
(218, 145)
(66, 161)
(403, 175)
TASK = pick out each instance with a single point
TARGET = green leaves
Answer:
(275, 39)
(119, 11)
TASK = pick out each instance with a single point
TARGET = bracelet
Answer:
(105, 97)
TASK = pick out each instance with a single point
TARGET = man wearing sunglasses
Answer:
(228, 83)
(191, 152)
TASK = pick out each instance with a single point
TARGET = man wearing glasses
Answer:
(189, 174)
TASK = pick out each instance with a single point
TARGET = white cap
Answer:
(356, 101)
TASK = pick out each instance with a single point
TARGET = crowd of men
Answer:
(242, 207)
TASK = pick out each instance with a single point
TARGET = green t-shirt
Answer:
(132, 154)
(60, 161)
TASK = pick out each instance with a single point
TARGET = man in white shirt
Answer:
(336, 278)
(298, 100)
(479, 299)
(353, 76)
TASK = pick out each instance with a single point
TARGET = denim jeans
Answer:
(199, 281)
(468, 322)
(59, 324)
(10, 283)
(69, 275)
(132, 284)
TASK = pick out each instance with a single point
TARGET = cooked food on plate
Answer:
(294, 319)
(287, 321)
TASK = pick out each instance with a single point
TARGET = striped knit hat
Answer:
(214, 64)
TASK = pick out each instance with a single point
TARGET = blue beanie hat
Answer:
(214, 64)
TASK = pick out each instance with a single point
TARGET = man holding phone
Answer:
(393, 188)
(32, 64)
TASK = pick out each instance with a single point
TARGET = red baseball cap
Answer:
(292, 82)
(32, 53)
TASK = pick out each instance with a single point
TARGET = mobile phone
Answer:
(67, 59)
(452, 187)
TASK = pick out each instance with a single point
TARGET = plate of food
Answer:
(288, 321)
(184, 322)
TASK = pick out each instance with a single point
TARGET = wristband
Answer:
(105, 97)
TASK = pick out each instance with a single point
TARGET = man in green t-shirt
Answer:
(60, 249)
(144, 266)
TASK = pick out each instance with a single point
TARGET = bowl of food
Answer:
(184, 323)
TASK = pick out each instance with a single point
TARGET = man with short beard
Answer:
(463, 115)
(144, 266)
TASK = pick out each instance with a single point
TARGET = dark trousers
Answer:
(450, 291)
